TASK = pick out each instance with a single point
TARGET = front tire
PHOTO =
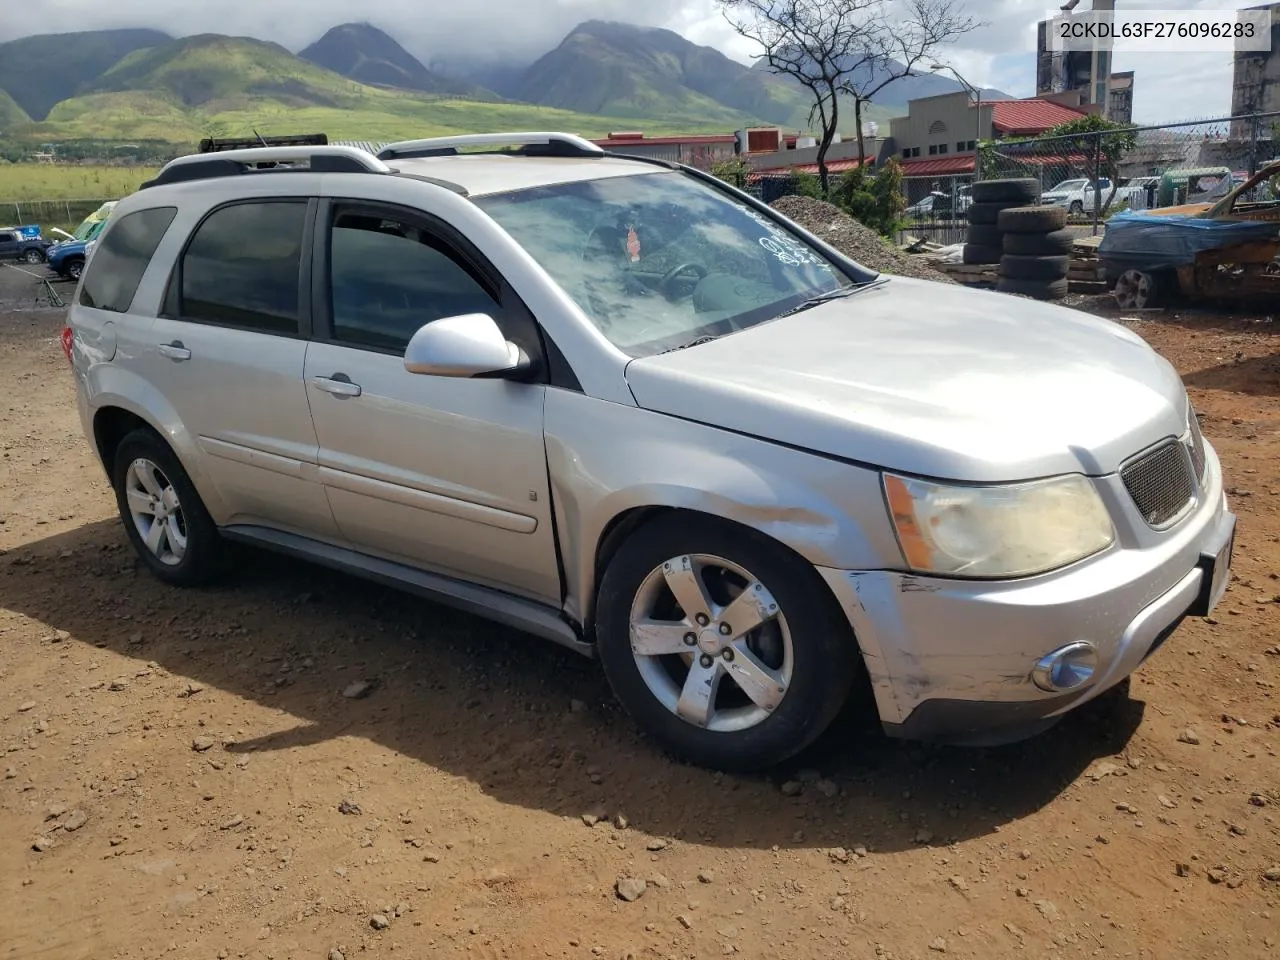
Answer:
(33, 257)
(725, 650)
(75, 268)
(164, 517)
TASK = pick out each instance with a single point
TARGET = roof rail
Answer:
(233, 163)
(210, 145)
(550, 144)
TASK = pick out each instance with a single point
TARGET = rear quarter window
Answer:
(123, 253)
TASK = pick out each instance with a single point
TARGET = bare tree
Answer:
(850, 48)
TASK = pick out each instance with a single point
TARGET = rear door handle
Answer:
(339, 385)
(175, 351)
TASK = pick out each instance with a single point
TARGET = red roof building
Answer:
(1026, 118)
(939, 135)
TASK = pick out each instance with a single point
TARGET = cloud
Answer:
(1001, 53)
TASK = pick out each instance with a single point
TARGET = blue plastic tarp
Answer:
(31, 232)
(1146, 241)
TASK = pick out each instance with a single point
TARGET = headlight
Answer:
(1011, 530)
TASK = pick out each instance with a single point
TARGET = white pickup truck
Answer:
(1077, 195)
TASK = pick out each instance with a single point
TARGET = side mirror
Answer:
(469, 345)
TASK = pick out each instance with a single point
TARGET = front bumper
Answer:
(952, 660)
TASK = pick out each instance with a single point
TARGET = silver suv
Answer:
(615, 403)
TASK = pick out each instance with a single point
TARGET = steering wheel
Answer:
(669, 277)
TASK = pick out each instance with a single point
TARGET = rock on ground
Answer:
(828, 222)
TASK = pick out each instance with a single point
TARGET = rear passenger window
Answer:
(242, 267)
(121, 259)
(389, 277)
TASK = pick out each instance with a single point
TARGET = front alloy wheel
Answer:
(723, 645)
(711, 643)
(163, 515)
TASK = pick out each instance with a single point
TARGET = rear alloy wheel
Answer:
(164, 518)
(33, 257)
(727, 653)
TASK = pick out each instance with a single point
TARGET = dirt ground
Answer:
(182, 775)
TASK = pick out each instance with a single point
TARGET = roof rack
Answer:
(234, 163)
(210, 145)
(532, 144)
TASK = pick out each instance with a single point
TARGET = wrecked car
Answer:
(1221, 249)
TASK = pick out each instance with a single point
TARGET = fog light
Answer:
(1066, 668)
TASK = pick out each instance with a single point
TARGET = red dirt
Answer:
(479, 751)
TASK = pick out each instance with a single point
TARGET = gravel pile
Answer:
(851, 238)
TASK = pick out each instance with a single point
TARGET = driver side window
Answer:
(389, 276)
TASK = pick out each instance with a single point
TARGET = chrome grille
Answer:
(1161, 482)
(1196, 446)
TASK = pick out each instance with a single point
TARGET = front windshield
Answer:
(1069, 185)
(82, 231)
(658, 260)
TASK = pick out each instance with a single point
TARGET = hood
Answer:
(930, 379)
(1185, 210)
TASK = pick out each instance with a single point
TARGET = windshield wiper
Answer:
(692, 343)
(837, 294)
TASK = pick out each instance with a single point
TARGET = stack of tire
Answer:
(984, 242)
(1035, 251)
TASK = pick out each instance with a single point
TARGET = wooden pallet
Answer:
(969, 273)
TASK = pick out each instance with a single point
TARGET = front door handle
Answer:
(175, 351)
(339, 385)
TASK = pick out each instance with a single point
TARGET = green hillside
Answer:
(366, 54)
(229, 86)
(631, 71)
(211, 85)
(211, 71)
(11, 115)
(40, 71)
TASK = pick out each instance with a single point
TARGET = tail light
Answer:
(67, 337)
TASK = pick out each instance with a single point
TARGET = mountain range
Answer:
(358, 82)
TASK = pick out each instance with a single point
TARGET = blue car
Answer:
(66, 259)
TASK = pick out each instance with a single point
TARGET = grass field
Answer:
(25, 182)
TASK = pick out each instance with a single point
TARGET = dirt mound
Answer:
(830, 223)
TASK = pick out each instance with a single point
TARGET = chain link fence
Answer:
(64, 214)
(1096, 175)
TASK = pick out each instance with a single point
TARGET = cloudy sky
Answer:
(1000, 54)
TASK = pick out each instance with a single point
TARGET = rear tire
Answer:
(766, 673)
(1038, 219)
(1036, 289)
(1055, 243)
(1020, 190)
(164, 517)
(1016, 267)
